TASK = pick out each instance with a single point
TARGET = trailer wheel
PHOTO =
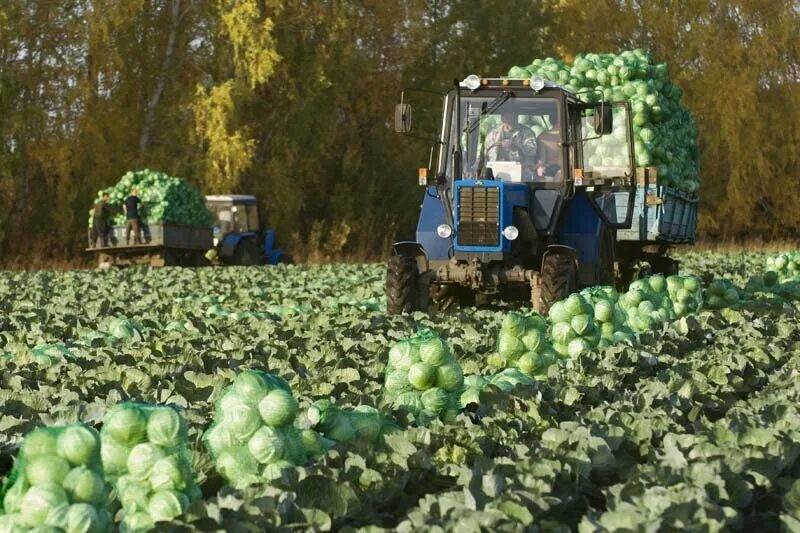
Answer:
(401, 285)
(559, 279)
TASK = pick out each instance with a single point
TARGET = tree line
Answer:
(292, 101)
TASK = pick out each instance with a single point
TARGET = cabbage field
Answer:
(681, 412)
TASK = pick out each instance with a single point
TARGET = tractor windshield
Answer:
(510, 139)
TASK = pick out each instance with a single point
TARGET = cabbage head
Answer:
(78, 444)
(126, 424)
(39, 501)
(165, 427)
(84, 485)
(46, 470)
(278, 408)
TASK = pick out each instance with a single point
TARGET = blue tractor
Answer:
(527, 192)
(237, 235)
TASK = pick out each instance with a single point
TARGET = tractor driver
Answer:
(511, 141)
(548, 152)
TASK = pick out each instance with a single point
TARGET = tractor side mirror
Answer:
(603, 119)
(402, 118)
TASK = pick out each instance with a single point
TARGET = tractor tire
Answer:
(285, 259)
(401, 285)
(559, 279)
(246, 253)
(608, 256)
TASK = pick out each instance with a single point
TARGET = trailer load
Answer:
(665, 135)
(165, 200)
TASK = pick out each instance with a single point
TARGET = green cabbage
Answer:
(434, 400)
(165, 427)
(84, 485)
(239, 417)
(133, 494)
(78, 444)
(267, 445)
(82, 518)
(14, 494)
(422, 376)
(250, 387)
(40, 442)
(126, 424)
(114, 456)
(46, 470)
(433, 351)
(449, 377)
(278, 408)
(39, 501)
(142, 458)
(167, 505)
(170, 473)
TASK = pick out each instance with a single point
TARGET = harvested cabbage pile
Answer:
(786, 265)
(647, 302)
(57, 483)
(686, 295)
(523, 344)
(423, 377)
(363, 423)
(145, 456)
(253, 436)
(165, 199)
(574, 330)
(609, 316)
(720, 294)
(665, 135)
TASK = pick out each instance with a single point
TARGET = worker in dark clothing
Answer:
(131, 207)
(100, 216)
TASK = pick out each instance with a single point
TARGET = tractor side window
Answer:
(224, 221)
(606, 156)
(252, 218)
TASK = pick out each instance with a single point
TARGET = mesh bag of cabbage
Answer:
(720, 294)
(686, 295)
(423, 377)
(648, 303)
(523, 344)
(145, 455)
(574, 329)
(253, 435)
(57, 483)
(609, 316)
(363, 423)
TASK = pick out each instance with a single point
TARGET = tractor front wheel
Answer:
(559, 279)
(401, 285)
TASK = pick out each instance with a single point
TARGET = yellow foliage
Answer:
(228, 152)
(250, 33)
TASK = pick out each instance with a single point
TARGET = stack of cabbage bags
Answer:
(609, 316)
(363, 423)
(423, 377)
(253, 436)
(720, 294)
(787, 266)
(523, 344)
(57, 483)
(574, 329)
(665, 134)
(686, 295)
(165, 199)
(146, 457)
(647, 303)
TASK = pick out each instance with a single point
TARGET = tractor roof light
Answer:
(537, 83)
(472, 82)
(444, 231)
(511, 233)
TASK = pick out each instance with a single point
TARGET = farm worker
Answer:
(100, 215)
(511, 141)
(131, 207)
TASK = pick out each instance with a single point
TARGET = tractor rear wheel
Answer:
(246, 253)
(401, 285)
(559, 279)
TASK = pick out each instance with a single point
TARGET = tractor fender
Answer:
(274, 256)
(412, 249)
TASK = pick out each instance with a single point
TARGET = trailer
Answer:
(663, 218)
(161, 245)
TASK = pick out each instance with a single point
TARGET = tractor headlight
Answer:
(444, 231)
(510, 233)
(472, 82)
(537, 83)
(216, 241)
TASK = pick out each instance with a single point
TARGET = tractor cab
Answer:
(238, 238)
(529, 186)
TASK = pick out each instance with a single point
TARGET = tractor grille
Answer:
(479, 216)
